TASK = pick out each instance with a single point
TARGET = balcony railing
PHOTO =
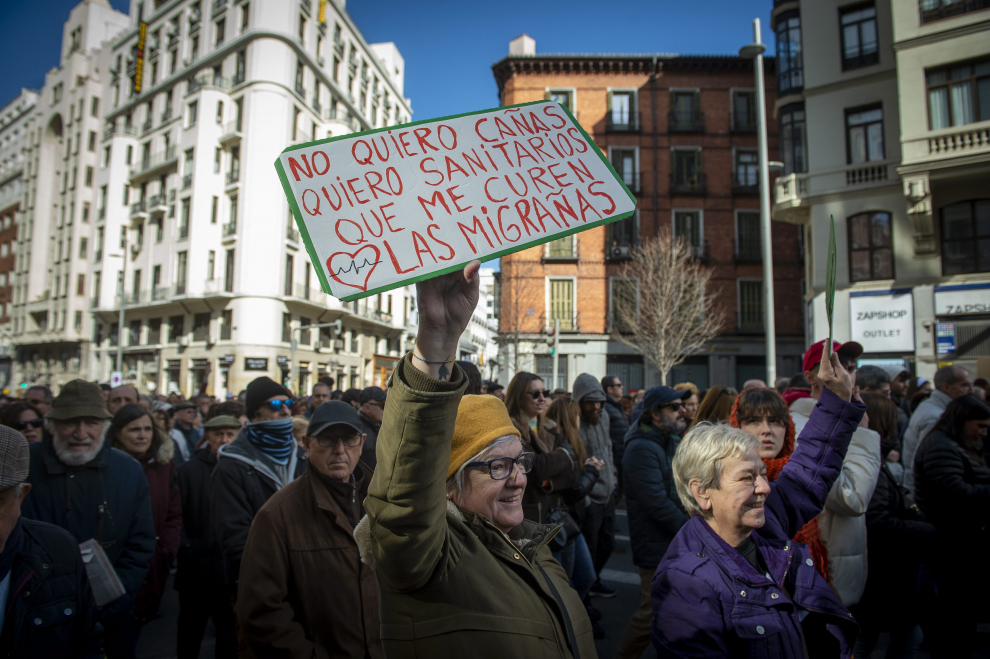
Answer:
(692, 121)
(291, 234)
(936, 10)
(229, 229)
(231, 131)
(187, 181)
(623, 122)
(233, 176)
(790, 189)
(167, 115)
(562, 248)
(304, 292)
(743, 124)
(160, 293)
(749, 251)
(696, 184)
(94, 302)
(139, 208)
(744, 184)
(207, 80)
(146, 126)
(126, 131)
(866, 174)
(157, 203)
(964, 142)
(219, 6)
(150, 165)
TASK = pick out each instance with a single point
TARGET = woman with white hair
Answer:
(460, 572)
(733, 582)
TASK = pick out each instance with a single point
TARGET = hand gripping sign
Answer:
(392, 206)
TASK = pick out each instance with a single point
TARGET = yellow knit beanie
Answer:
(480, 419)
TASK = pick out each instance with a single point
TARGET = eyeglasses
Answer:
(277, 405)
(350, 441)
(33, 423)
(501, 468)
(539, 394)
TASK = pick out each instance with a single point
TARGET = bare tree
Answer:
(516, 326)
(667, 312)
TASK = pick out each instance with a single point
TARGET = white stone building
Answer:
(857, 145)
(186, 213)
(478, 342)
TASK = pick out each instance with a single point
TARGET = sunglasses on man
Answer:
(277, 405)
(32, 423)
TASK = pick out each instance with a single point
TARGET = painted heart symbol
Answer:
(352, 265)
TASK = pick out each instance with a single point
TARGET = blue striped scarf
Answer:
(273, 438)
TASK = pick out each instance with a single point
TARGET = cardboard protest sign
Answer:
(397, 205)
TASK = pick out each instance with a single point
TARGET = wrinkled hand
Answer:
(835, 378)
(594, 462)
(445, 307)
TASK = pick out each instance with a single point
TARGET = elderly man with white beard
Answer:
(95, 492)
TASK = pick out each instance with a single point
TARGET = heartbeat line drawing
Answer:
(346, 268)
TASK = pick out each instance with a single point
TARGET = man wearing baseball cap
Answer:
(261, 461)
(372, 402)
(845, 508)
(47, 605)
(185, 434)
(655, 512)
(304, 533)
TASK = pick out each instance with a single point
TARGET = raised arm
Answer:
(406, 502)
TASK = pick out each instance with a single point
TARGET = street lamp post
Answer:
(754, 51)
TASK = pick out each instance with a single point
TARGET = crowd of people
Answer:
(445, 516)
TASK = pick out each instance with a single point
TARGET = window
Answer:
(228, 272)
(561, 303)
(201, 326)
(625, 304)
(176, 328)
(685, 111)
(562, 248)
(191, 115)
(686, 176)
(83, 246)
(744, 111)
(288, 274)
(793, 139)
(88, 179)
(211, 262)
(302, 28)
(194, 49)
(933, 10)
(622, 110)
(156, 279)
(562, 96)
(77, 320)
(747, 169)
(213, 209)
(966, 237)
(94, 107)
(241, 69)
(106, 156)
(864, 135)
(184, 219)
(300, 69)
(544, 370)
(154, 331)
(859, 36)
(750, 305)
(180, 273)
(959, 95)
(790, 76)
(621, 236)
(687, 225)
(245, 15)
(216, 160)
(305, 339)
(624, 161)
(748, 244)
(85, 211)
(227, 324)
(91, 143)
(286, 328)
(220, 27)
(871, 254)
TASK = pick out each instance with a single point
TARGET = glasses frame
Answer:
(34, 423)
(542, 393)
(522, 467)
(277, 405)
(337, 440)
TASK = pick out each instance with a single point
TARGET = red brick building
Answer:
(681, 131)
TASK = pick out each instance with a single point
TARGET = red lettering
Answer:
(395, 262)
(584, 205)
(454, 197)
(550, 111)
(471, 163)
(537, 179)
(421, 135)
(489, 194)
(511, 226)
(296, 169)
(360, 239)
(477, 130)
(429, 231)
(422, 247)
(366, 160)
(521, 153)
(521, 125)
(389, 172)
(521, 180)
(542, 212)
(611, 208)
(564, 208)
(387, 217)
(579, 169)
(405, 145)
(537, 147)
(350, 186)
(537, 124)
(340, 201)
(523, 214)
(453, 134)
(325, 160)
(381, 228)
(374, 186)
(422, 167)
(477, 226)
(558, 177)
(385, 146)
(451, 166)
(437, 197)
(576, 136)
(503, 128)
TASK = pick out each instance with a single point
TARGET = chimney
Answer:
(522, 45)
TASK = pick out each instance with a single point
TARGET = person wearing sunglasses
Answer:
(25, 419)
(460, 571)
(304, 533)
(262, 460)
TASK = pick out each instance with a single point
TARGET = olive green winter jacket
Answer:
(450, 583)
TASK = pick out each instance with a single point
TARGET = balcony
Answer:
(207, 80)
(936, 10)
(229, 229)
(139, 209)
(317, 107)
(291, 234)
(304, 292)
(195, 16)
(155, 165)
(230, 133)
(688, 185)
(866, 174)
(166, 115)
(158, 204)
(146, 126)
(113, 131)
(102, 214)
(219, 6)
(338, 48)
(789, 196)
(692, 121)
(745, 184)
(160, 293)
(233, 178)
(743, 123)
(623, 122)
(215, 288)
(187, 181)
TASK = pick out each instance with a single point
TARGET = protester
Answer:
(452, 566)
(953, 492)
(873, 380)
(353, 398)
(336, 394)
(184, 430)
(897, 538)
(302, 534)
(47, 609)
(560, 394)
(918, 391)
(655, 513)
(261, 461)
(25, 418)
(712, 596)
(228, 408)
(162, 414)
(134, 432)
(125, 394)
(716, 406)
(755, 383)
(691, 402)
(200, 576)
(299, 425)
(899, 383)
(781, 385)
(842, 522)
(95, 492)
(618, 424)
(951, 382)
(319, 395)
(497, 390)
(40, 396)
(302, 407)
(599, 522)
(372, 407)
(473, 376)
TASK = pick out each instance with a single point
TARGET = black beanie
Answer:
(260, 390)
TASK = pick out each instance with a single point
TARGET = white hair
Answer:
(69, 457)
(701, 456)
(456, 482)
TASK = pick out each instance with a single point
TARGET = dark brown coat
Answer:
(303, 590)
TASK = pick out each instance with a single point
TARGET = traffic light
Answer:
(552, 341)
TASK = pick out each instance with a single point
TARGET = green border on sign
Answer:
(325, 284)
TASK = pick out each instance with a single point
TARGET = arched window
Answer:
(871, 246)
(966, 237)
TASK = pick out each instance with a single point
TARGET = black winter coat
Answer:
(951, 488)
(655, 511)
(200, 561)
(897, 540)
(370, 427)
(50, 608)
(617, 429)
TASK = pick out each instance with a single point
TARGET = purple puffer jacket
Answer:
(708, 601)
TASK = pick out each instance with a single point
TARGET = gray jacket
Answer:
(922, 422)
(597, 439)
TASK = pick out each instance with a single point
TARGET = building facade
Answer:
(905, 183)
(185, 237)
(681, 132)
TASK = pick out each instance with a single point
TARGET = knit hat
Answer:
(480, 420)
(14, 458)
(222, 421)
(260, 390)
(79, 399)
